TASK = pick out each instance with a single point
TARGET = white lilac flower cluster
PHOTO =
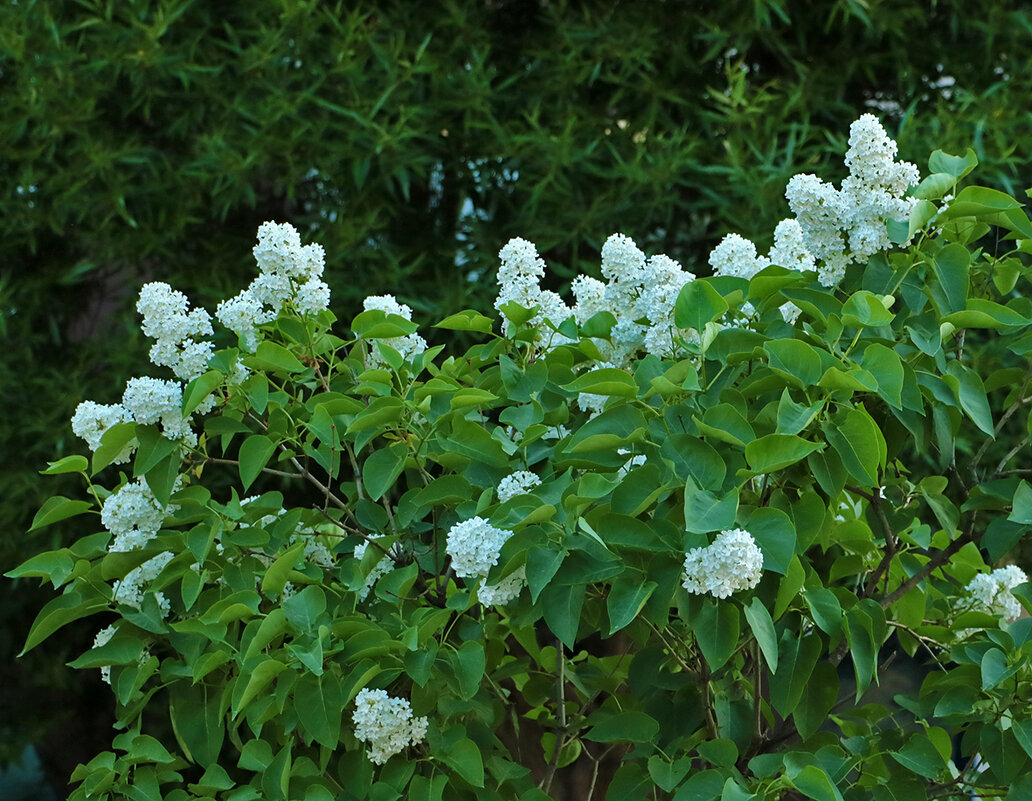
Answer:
(640, 293)
(732, 562)
(380, 569)
(176, 330)
(844, 225)
(147, 401)
(519, 279)
(134, 516)
(287, 273)
(386, 724)
(131, 589)
(92, 420)
(991, 592)
(408, 346)
(519, 483)
(736, 256)
(475, 546)
(504, 590)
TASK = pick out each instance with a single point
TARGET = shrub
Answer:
(631, 540)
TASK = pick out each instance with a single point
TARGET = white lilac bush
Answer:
(659, 542)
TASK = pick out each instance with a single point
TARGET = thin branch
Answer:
(933, 564)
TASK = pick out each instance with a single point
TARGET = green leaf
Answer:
(920, 756)
(318, 701)
(466, 320)
(862, 647)
(607, 381)
(855, 437)
(955, 166)
(197, 721)
(986, 314)
(795, 361)
(626, 599)
(56, 566)
(705, 512)
(256, 681)
(933, 187)
(978, 201)
(777, 451)
(970, 391)
(161, 478)
(814, 783)
(716, 628)
(951, 268)
(562, 605)
(624, 727)
(56, 509)
(763, 630)
(382, 468)
(275, 578)
(775, 534)
(794, 417)
(273, 357)
(199, 389)
(153, 447)
(994, 668)
(825, 608)
(255, 453)
(733, 792)
(725, 423)
(1023, 733)
(702, 786)
(69, 464)
(304, 609)
(887, 368)
(469, 663)
(1021, 511)
(697, 304)
(112, 443)
(376, 324)
(796, 660)
(59, 612)
(667, 775)
(464, 757)
(542, 564)
(865, 310)
(817, 702)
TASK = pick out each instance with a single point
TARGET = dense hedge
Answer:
(146, 140)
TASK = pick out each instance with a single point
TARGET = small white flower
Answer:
(790, 312)
(504, 591)
(380, 569)
(991, 592)
(732, 562)
(91, 420)
(736, 256)
(134, 516)
(474, 546)
(519, 483)
(130, 590)
(386, 724)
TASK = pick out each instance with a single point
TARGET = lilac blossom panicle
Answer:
(991, 592)
(288, 273)
(386, 724)
(732, 562)
(474, 546)
(519, 483)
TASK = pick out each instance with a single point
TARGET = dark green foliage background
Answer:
(412, 140)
